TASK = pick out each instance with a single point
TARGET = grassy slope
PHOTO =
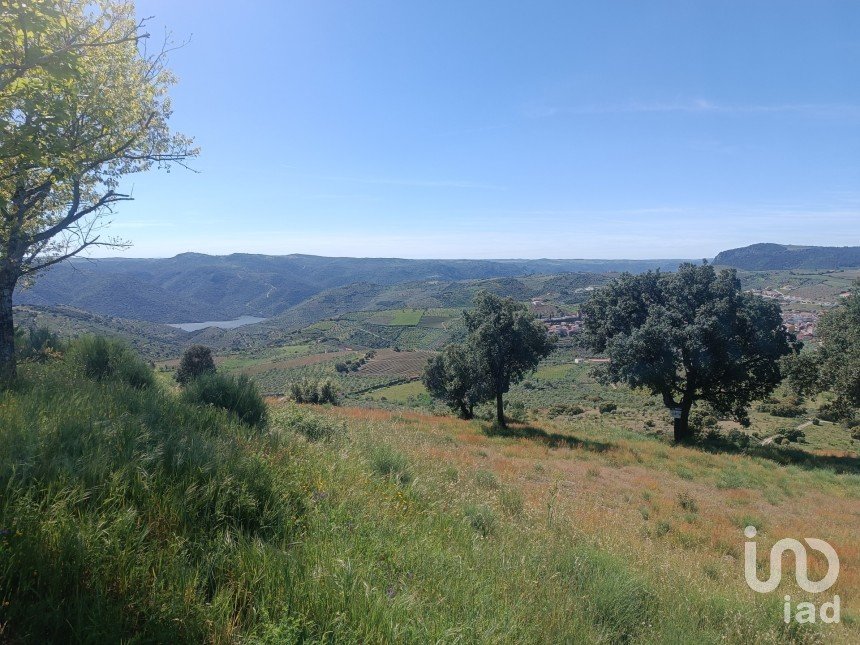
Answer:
(130, 513)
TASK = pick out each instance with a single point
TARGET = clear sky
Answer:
(507, 129)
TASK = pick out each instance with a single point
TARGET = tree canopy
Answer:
(454, 377)
(82, 103)
(835, 367)
(504, 342)
(195, 362)
(687, 336)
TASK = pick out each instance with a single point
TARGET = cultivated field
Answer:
(387, 362)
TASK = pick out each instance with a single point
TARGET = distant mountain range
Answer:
(193, 287)
(776, 257)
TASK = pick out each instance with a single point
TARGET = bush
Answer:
(315, 392)
(37, 344)
(792, 435)
(239, 396)
(516, 411)
(836, 411)
(102, 359)
(196, 361)
(606, 408)
(786, 410)
(482, 518)
(702, 420)
(312, 426)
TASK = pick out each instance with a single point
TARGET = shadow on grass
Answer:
(784, 456)
(551, 439)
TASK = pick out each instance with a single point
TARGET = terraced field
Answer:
(388, 362)
(398, 317)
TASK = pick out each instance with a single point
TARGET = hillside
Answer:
(772, 257)
(129, 515)
(193, 287)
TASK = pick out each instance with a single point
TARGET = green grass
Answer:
(130, 515)
(398, 317)
(401, 393)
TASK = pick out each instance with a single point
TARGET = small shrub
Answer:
(516, 411)
(196, 361)
(560, 409)
(606, 408)
(686, 501)
(239, 396)
(702, 420)
(684, 473)
(486, 479)
(482, 518)
(314, 392)
(786, 410)
(793, 435)
(311, 426)
(37, 344)
(101, 359)
(836, 411)
(390, 464)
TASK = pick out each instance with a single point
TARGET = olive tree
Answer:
(454, 377)
(506, 342)
(687, 336)
(82, 104)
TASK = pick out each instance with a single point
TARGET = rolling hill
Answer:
(193, 287)
(773, 257)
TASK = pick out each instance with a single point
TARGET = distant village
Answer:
(801, 323)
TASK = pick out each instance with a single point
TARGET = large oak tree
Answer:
(82, 103)
(687, 336)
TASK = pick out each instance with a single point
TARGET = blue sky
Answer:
(506, 129)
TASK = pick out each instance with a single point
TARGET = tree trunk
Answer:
(500, 411)
(465, 413)
(7, 331)
(682, 425)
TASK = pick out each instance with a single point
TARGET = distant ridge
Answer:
(193, 287)
(774, 257)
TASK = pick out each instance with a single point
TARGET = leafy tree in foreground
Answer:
(505, 341)
(196, 361)
(82, 103)
(688, 336)
(453, 376)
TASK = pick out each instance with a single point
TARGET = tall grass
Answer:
(130, 514)
(125, 511)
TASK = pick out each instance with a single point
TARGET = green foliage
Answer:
(839, 354)
(313, 427)
(561, 409)
(316, 392)
(454, 376)
(81, 106)
(801, 372)
(504, 343)
(127, 515)
(237, 395)
(688, 336)
(103, 359)
(606, 408)
(196, 361)
(482, 518)
(37, 344)
(353, 365)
